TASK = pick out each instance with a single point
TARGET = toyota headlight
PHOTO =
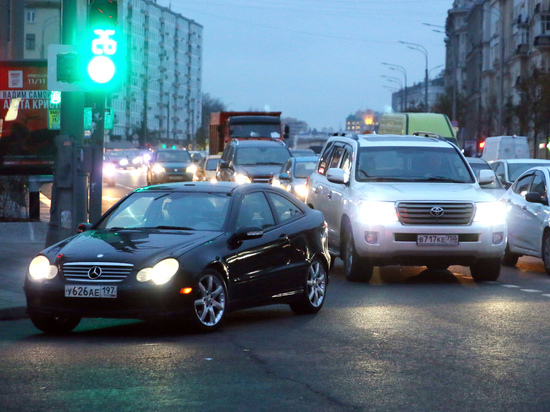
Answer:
(161, 273)
(240, 178)
(490, 213)
(40, 268)
(158, 169)
(373, 212)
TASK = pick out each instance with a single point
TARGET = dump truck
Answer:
(225, 126)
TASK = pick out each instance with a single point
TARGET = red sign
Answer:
(26, 144)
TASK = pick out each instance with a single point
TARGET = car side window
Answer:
(323, 161)
(521, 186)
(500, 170)
(539, 184)
(337, 155)
(345, 165)
(285, 210)
(255, 211)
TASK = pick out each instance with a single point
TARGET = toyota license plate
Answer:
(74, 291)
(437, 240)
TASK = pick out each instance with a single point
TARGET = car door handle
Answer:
(283, 238)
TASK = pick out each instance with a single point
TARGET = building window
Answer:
(30, 42)
(31, 16)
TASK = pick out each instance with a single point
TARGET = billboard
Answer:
(28, 119)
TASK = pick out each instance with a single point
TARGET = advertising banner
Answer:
(26, 142)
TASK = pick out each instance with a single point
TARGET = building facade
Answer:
(160, 100)
(492, 45)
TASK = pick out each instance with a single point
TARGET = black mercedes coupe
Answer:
(187, 251)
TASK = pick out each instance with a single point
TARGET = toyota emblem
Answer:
(94, 272)
(437, 211)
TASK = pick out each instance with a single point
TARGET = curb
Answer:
(14, 313)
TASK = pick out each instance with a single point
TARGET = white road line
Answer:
(510, 286)
(531, 290)
(546, 294)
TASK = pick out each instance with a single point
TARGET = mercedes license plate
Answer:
(437, 240)
(74, 291)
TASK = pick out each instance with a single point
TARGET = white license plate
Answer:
(77, 291)
(437, 240)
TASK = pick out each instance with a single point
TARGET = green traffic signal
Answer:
(104, 61)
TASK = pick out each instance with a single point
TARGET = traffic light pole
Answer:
(69, 201)
(96, 177)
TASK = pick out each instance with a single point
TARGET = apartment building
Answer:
(491, 45)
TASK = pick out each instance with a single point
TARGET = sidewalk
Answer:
(19, 243)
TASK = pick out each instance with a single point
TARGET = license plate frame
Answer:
(437, 240)
(91, 291)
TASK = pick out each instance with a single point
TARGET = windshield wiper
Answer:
(443, 179)
(387, 179)
(174, 227)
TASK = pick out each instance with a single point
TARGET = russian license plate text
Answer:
(74, 291)
(437, 240)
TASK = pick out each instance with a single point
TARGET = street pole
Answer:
(96, 177)
(404, 71)
(395, 80)
(69, 202)
(422, 49)
(501, 111)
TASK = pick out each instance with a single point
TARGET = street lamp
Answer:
(401, 69)
(422, 49)
(398, 81)
(433, 68)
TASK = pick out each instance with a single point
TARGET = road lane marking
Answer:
(510, 286)
(531, 290)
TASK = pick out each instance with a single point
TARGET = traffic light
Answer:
(104, 62)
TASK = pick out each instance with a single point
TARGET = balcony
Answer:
(542, 41)
(522, 49)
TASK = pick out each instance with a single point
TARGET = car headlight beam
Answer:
(40, 268)
(373, 212)
(158, 169)
(161, 273)
(490, 213)
(241, 178)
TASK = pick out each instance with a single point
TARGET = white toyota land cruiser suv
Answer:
(406, 200)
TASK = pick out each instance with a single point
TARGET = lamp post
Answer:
(402, 70)
(433, 68)
(398, 81)
(422, 49)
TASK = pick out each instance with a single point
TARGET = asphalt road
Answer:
(410, 340)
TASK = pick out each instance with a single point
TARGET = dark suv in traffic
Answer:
(252, 161)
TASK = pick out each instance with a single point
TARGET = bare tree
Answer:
(209, 105)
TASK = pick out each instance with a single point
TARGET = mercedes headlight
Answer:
(40, 268)
(373, 212)
(158, 169)
(240, 178)
(161, 273)
(490, 213)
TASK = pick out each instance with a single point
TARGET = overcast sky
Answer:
(315, 60)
